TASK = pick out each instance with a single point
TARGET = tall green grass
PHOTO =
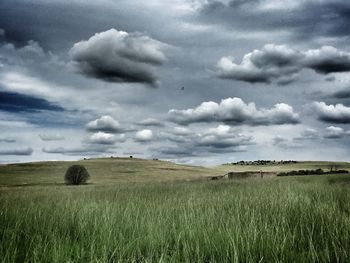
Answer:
(252, 220)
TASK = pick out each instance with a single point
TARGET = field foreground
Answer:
(290, 219)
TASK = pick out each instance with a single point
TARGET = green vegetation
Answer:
(311, 172)
(280, 219)
(104, 171)
(76, 174)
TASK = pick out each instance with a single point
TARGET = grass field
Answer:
(104, 171)
(153, 211)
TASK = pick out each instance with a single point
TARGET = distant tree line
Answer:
(311, 172)
(262, 162)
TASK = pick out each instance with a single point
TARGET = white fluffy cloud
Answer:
(333, 132)
(235, 110)
(281, 63)
(222, 136)
(106, 138)
(118, 56)
(144, 136)
(106, 124)
(332, 113)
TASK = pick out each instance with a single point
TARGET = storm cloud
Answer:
(86, 70)
(342, 94)
(303, 20)
(117, 56)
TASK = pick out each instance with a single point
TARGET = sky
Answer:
(192, 81)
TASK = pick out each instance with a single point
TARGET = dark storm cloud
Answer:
(15, 102)
(52, 24)
(17, 151)
(332, 113)
(235, 111)
(55, 26)
(304, 19)
(117, 56)
(326, 60)
(281, 63)
(342, 94)
(58, 24)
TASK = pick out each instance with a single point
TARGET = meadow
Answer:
(170, 213)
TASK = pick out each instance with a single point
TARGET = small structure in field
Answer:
(214, 178)
(246, 174)
(240, 175)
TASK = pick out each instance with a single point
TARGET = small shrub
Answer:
(76, 174)
(311, 172)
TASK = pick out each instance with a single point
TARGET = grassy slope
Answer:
(289, 219)
(285, 167)
(103, 171)
(299, 219)
(108, 171)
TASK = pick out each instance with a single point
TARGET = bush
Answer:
(311, 172)
(76, 174)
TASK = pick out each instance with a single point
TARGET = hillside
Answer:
(106, 171)
(103, 171)
(138, 210)
(306, 165)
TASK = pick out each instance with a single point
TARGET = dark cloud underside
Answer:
(15, 102)
(307, 19)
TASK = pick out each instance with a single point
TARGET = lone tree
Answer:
(76, 174)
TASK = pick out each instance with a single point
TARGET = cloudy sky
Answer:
(193, 81)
